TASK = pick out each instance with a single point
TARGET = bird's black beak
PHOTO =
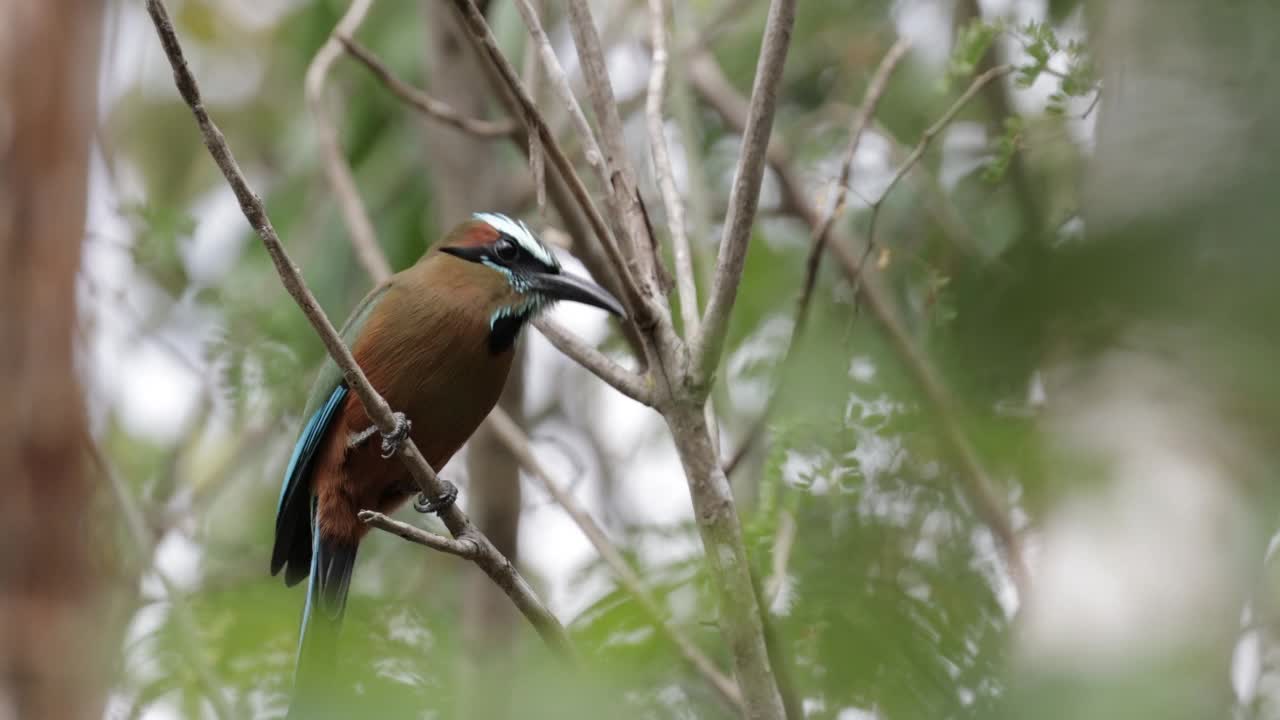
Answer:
(575, 289)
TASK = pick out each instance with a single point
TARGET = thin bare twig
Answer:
(1097, 96)
(621, 379)
(531, 76)
(866, 111)
(464, 548)
(875, 90)
(707, 80)
(620, 180)
(927, 137)
(518, 443)
(686, 284)
(476, 23)
(744, 196)
(636, 239)
(555, 73)
(488, 558)
(427, 105)
(360, 227)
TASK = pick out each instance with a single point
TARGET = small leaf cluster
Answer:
(1004, 147)
(1042, 44)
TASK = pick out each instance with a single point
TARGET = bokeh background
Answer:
(1086, 255)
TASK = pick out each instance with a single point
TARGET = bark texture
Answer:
(48, 73)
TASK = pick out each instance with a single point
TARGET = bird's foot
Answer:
(391, 441)
(437, 505)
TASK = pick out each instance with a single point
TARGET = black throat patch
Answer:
(505, 330)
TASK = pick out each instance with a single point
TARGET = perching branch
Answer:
(686, 285)
(359, 226)
(866, 111)
(518, 443)
(464, 548)
(487, 558)
(427, 105)
(744, 196)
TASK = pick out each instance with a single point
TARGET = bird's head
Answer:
(526, 276)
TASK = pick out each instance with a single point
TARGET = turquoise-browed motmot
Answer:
(436, 340)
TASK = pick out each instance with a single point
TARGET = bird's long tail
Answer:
(313, 677)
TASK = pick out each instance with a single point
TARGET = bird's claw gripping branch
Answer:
(431, 506)
(391, 441)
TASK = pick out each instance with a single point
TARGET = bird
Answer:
(436, 340)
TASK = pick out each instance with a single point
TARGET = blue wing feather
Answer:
(308, 441)
(294, 508)
(312, 583)
(299, 547)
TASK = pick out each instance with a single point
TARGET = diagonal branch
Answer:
(487, 558)
(744, 197)
(476, 24)
(990, 508)
(622, 380)
(557, 187)
(562, 88)
(427, 105)
(620, 183)
(686, 285)
(926, 138)
(358, 223)
(875, 90)
(518, 443)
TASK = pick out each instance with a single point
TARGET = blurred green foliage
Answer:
(893, 600)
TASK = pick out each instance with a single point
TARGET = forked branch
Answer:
(744, 197)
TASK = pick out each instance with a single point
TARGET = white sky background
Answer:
(153, 380)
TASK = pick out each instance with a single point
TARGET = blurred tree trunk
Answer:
(48, 66)
(465, 180)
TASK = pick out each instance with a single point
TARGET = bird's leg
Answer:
(437, 505)
(391, 441)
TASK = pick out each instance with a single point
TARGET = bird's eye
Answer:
(505, 250)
